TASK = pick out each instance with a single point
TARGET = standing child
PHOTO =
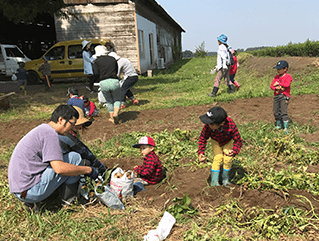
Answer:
(223, 66)
(45, 70)
(225, 139)
(233, 69)
(22, 77)
(90, 109)
(281, 87)
(151, 172)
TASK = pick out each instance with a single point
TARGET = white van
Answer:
(10, 55)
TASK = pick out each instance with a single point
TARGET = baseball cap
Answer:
(281, 64)
(145, 140)
(85, 98)
(72, 90)
(214, 115)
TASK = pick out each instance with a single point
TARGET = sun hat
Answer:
(222, 38)
(100, 50)
(114, 55)
(215, 115)
(231, 50)
(281, 64)
(84, 43)
(145, 140)
(82, 120)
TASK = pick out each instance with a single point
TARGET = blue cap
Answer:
(222, 38)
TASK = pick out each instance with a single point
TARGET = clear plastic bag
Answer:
(109, 198)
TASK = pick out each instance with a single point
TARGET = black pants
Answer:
(127, 85)
(281, 107)
(91, 81)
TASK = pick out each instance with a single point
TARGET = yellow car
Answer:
(65, 60)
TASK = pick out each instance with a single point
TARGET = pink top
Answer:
(233, 68)
(283, 81)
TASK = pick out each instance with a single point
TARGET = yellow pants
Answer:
(219, 156)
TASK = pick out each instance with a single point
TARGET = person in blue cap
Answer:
(281, 87)
(223, 66)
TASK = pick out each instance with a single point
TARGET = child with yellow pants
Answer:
(225, 139)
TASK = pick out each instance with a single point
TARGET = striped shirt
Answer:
(151, 170)
(222, 135)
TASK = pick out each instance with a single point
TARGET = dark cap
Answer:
(215, 115)
(85, 98)
(72, 90)
(282, 64)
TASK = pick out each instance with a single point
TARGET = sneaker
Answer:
(33, 207)
(122, 106)
(135, 102)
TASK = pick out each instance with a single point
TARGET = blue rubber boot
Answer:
(225, 178)
(214, 175)
(278, 125)
(286, 123)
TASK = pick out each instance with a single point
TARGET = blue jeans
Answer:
(50, 181)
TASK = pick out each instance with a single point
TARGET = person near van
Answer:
(45, 70)
(88, 61)
(105, 68)
(22, 75)
(130, 77)
(37, 166)
(223, 66)
(75, 99)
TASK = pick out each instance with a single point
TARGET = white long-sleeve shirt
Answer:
(222, 57)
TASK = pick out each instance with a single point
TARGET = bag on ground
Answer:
(108, 197)
(122, 182)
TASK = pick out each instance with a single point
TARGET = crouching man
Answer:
(37, 166)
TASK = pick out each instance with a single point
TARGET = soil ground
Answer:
(302, 109)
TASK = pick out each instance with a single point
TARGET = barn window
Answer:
(141, 44)
(151, 40)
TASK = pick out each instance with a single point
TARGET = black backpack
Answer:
(231, 59)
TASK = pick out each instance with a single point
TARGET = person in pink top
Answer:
(233, 69)
(281, 87)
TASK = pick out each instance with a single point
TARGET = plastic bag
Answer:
(14, 77)
(109, 198)
(122, 182)
(163, 229)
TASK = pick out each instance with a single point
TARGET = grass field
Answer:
(182, 85)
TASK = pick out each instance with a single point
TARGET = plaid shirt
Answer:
(222, 135)
(151, 170)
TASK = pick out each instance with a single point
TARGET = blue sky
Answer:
(250, 23)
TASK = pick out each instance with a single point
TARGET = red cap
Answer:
(145, 140)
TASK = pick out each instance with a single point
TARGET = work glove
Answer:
(100, 166)
(93, 174)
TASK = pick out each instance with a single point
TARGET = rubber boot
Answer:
(225, 178)
(214, 175)
(214, 92)
(231, 89)
(69, 192)
(278, 125)
(286, 123)
(237, 85)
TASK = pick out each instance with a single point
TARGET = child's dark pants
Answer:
(281, 107)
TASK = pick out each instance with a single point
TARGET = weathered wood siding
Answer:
(112, 21)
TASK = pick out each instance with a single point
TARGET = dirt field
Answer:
(301, 109)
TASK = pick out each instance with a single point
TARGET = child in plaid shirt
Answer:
(226, 142)
(151, 172)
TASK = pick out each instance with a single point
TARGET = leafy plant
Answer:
(182, 209)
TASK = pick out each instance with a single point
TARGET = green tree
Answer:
(200, 51)
(18, 10)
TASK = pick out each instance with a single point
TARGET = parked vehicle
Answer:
(10, 55)
(65, 59)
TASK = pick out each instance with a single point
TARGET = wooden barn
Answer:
(141, 30)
